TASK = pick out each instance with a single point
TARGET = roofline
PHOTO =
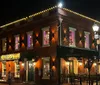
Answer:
(81, 15)
(46, 10)
(30, 16)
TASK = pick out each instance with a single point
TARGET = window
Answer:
(72, 36)
(3, 68)
(86, 36)
(46, 36)
(46, 68)
(30, 39)
(17, 42)
(4, 44)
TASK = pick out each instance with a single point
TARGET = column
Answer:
(58, 68)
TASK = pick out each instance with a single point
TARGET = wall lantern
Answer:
(22, 64)
(34, 63)
(95, 28)
(94, 64)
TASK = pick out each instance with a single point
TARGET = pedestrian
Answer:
(9, 78)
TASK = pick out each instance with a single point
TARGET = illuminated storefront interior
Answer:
(10, 63)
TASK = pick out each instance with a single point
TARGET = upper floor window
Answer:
(17, 42)
(46, 36)
(72, 36)
(86, 36)
(4, 44)
(30, 39)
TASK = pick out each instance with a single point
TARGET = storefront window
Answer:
(4, 44)
(46, 68)
(17, 42)
(4, 69)
(86, 39)
(46, 36)
(17, 69)
(30, 39)
(72, 36)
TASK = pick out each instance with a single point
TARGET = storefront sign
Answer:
(10, 56)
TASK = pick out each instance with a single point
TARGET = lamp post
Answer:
(89, 67)
(96, 37)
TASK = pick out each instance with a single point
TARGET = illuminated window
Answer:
(46, 68)
(86, 36)
(72, 36)
(30, 39)
(46, 36)
(17, 42)
(4, 44)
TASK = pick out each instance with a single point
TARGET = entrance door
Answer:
(31, 71)
(10, 67)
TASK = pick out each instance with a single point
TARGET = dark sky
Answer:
(11, 10)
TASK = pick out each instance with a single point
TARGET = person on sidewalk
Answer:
(9, 78)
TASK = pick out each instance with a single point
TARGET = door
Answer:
(31, 71)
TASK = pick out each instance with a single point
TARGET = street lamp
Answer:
(60, 5)
(96, 37)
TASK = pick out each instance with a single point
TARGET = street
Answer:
(35, 84)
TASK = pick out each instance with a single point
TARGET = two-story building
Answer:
(46, 45)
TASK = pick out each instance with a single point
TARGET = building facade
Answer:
(48, 45)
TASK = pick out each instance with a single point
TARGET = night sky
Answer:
(11, 10)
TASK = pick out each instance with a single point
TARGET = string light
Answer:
(33, 15)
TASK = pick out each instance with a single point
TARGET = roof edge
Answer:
(51, 8)
(81, 15)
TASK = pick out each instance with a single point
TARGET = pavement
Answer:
(31, 83)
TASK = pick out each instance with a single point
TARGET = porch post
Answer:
(58, 68)
(26, 71)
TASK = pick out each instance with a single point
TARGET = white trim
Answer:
(72, 29)
(86, 32)
(18, 35)
(45, 28)
(4, 39)
(29, 33)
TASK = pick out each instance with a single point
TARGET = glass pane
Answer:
(46, 37)
(30, 40)
(4, 45)
(46, 68)
(17, 42)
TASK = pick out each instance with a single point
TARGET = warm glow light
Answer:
(30, 64)
(95, 64)
(95, 27)
(80, 63)
(22, 64)
(34, 63)
(67, 63)
(60, 5)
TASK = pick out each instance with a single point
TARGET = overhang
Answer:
(64, 51)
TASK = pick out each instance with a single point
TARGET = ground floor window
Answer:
(31, 71)
(46, 68)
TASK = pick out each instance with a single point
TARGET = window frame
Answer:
(18, 35)
(28, 33)
(85, 46)
(5, 42)
(44, 61)
(45, 29)
(73, 30)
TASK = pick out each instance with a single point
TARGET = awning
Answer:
(64, 51)
(29, 55)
